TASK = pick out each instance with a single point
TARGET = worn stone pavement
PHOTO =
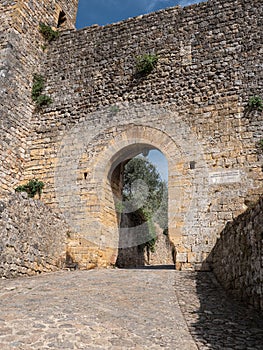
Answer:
(124, 309)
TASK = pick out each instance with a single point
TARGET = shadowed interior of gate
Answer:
(143, 239)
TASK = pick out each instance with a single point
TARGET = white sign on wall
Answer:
(224, 177)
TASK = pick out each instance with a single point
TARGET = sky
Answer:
(159, 160)
(110, 11)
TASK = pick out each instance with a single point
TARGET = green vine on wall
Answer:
(32, 188)
(255, 103)
(146, 63)
(260, 144)
(37, 89)
(48, 33)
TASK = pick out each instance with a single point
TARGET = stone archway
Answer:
(86, 163)
(142, 240)
(101, 218)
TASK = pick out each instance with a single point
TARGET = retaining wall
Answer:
(32, 238)
(237, 258)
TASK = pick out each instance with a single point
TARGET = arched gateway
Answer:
(87, 182)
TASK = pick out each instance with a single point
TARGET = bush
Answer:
(255, 102)
(146, 63)
(38, 86)
(48, 33)
(31, 188)
(43, 100)
(37, 89)
(260, 144)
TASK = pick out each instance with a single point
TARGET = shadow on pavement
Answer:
(217, 321)
(151, 267)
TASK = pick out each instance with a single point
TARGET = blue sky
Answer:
(110, 11)
(159, 160)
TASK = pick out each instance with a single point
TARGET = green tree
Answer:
(162, 218)
(146, 193)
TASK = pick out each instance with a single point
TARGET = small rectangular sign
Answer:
(224, 177)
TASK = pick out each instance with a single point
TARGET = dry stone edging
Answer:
(237, 258)
(32, 238)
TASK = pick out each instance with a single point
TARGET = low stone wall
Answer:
(237, 258)
(138, 255)
(163, 251)
(32, 238)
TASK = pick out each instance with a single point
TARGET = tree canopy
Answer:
(144, 190)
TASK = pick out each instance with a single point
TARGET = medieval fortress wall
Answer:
(21, 50)
(192, 107)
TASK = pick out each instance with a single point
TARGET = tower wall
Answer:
(21, 55)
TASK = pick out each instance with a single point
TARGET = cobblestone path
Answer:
(215, 320)
(123, 309)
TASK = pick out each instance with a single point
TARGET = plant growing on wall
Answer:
(48, 33)
(255, 103)
(37, 89)
(260, 144)
(114, 109)
(32, 188)
(146, 63)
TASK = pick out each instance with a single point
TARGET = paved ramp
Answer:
(99, 309)
(124, 309)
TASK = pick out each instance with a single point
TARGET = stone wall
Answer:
(32, 238)
(192, 107)
(21, 55)
(237, 258)
(163, 251)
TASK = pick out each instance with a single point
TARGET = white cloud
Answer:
(153, 3)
